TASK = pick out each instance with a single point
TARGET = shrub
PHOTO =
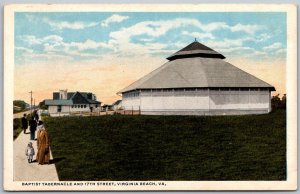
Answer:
(17, 123)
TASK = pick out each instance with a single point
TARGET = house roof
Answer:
(195, 49)
(58, 102)
(117, 102)
(197, 72)
(73, 98)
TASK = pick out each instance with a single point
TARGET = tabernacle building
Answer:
(197, 81)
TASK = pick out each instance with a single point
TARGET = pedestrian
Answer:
(29, 152)
(36, 115)
(43, 154)
(32, 128)
(24, 123)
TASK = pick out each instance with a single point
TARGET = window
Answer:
(224, 89)
(81, 106)
(84, 106)
(96, 106)
(244, 89)
(59, 108)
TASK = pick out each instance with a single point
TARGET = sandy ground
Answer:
(24, 171)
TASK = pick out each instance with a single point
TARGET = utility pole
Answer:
(30, 102)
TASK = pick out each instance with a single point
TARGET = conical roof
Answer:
(197, 72)
(195, 49)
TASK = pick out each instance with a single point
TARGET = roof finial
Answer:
(196, 40)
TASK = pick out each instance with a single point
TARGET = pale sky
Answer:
(103, 52)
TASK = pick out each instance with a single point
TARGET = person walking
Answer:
(43, 153)
(24, 123)
(29, 152)
(32, 128)
(36, 115)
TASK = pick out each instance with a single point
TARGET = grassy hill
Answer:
(124, 147)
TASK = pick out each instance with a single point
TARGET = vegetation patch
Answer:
(17, 127)
(123, 147)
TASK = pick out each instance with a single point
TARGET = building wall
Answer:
(53, 110)
(200, 102)
(133, 103)
(66, 110)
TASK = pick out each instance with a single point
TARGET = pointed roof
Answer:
(192, 71)
(195, 49)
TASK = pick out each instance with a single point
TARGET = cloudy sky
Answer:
(104, 52)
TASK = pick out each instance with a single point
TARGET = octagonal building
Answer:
(197, 81)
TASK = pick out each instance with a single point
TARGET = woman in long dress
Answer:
(43, 154)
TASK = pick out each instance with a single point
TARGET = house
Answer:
(65, 103)
(197, 81)
(106, 107)
(117, 105)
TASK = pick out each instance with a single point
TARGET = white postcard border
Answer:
(291, 81)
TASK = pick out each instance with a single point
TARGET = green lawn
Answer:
(124, 147)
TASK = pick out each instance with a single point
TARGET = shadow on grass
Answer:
(56, 160)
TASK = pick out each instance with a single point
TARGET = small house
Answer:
(65, 103)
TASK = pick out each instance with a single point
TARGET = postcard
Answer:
(170, 97)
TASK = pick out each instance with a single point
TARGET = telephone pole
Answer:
(30, 102)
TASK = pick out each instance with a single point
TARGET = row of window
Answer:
(176, 90)
(78, 106)
(131, 94)
(82, 106)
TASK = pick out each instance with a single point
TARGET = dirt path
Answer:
(20, 114)
(24, 171)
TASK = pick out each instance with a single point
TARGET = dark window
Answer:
(190, 89)
(96, 105)
(84, 106)
(179, 89)
(244, 89)
(59, 108)
(224, 89)
(81, 106)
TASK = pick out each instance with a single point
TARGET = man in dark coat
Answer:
(32, 128)
(24, 123)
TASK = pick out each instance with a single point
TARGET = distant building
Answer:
(197, 81)
(106, 107)
(65, 103)
(117, 105)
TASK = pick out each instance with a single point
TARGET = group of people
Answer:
(43, 151)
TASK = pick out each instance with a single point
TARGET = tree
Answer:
(42, 105)
(19, 106)
(278, 103)
(283, 101)
(20, 103)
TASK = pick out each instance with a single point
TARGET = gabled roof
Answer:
(72, 98)
(195, 49)
(197, 72)
(78, 98)
(117, 102)
(81, 98)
